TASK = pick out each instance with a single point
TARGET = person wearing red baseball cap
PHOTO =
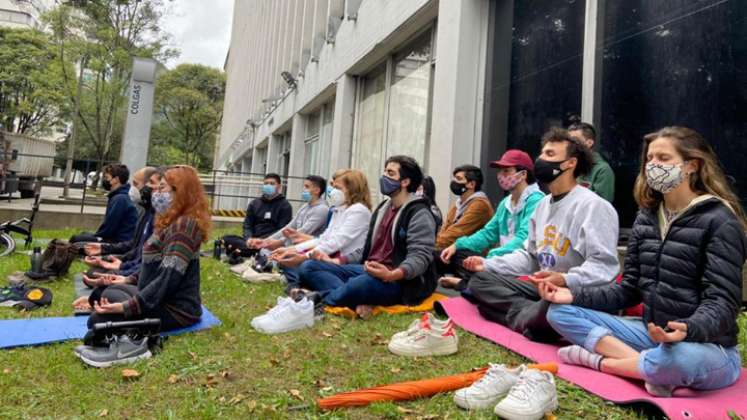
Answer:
(571, 242)
(507, 229)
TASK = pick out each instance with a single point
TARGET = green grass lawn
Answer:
(234, 371)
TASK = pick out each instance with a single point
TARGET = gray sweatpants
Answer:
(513, 303)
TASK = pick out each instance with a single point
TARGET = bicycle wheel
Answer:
(7, 244)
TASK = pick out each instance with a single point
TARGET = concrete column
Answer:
(342, 124)
(458, 90)
(297, 150)
(273, 150)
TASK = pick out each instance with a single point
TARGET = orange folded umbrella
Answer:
(405, 391)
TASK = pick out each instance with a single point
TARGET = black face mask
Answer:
(145, 194)
(546, 172)
(106, 184)
(457, 188)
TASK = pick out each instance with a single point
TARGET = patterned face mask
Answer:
(664, 178)
(508, 182)
(161, 201)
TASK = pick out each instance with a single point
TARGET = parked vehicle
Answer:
(23, 160)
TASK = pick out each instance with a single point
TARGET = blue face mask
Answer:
(305, 196)
(161, 201)
(388, 186)
(268, 190)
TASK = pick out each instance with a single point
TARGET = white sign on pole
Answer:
(136, 139)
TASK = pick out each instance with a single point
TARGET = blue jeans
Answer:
(348, 285)
(703, 366)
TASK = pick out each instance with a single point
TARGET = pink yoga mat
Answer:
(686, 404)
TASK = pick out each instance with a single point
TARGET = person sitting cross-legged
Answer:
(120, 218)
(264, 216)
(509, 227)
(684, 263)
(398, 252)
(350, 199)
(311, 218)
(128, 261)
(168, 284)
(572, 241)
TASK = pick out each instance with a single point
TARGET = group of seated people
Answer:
(157, 273)
(546, 265)
(542, 264)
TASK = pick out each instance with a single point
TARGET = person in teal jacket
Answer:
(508, 229)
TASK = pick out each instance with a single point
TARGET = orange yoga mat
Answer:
(425, 306)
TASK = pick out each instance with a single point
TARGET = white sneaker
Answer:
(425, 321)
(288, 317)
(489, 389)
(532, 396)
(240, 268)
(426, 342)
(282, 301)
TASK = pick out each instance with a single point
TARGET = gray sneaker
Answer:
(122, 349)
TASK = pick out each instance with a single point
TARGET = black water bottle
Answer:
(217, 249)
(36, 260)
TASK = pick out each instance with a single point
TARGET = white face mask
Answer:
(336, 197)
(134, 194)
(664, 178)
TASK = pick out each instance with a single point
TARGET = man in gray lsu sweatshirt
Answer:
(572, 242)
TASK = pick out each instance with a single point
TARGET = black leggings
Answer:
(234, 243)
(122, 293)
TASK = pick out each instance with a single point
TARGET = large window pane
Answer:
(546, 54)
(371, 126)
(673, 62)
(408, 105)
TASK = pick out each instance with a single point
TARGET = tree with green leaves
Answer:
(189, 108)
(102, 37)
(32, 92)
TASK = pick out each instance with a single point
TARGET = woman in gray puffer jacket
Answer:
(684, 263)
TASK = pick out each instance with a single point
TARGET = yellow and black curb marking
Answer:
(229, 213)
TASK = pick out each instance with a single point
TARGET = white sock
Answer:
(577, 355)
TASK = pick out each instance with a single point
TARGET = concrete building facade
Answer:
(318, 85)
(23, 13)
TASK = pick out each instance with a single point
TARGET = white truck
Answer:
(23, 159)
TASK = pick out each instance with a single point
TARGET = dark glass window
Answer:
(673, 62)
(546, 56)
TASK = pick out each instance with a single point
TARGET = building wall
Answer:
(23, 14)
(329, 68)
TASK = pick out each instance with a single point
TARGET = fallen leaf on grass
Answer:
(225, 374)
(237, 399)
(274, 362)
(251, 405)
(319, 383)
(173, 379)
(211, 381)
(130, 374)
(103, 413)
(327, 389)
(193, 355)
(328, 335)
(222, 399)
(404, 410)
(296, 393)
(379, 339)
(396, 370)
(6, 371)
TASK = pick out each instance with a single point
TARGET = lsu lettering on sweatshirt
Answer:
(576, 235)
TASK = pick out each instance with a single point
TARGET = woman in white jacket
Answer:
(350, 199)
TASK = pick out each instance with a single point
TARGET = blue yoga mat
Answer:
(36, 331)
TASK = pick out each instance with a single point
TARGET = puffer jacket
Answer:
(692, 275)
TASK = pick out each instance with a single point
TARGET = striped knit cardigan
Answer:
(170, 274)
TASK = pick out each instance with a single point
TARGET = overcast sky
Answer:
(201, 30)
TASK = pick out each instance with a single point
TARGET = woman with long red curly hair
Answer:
(168, 285)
